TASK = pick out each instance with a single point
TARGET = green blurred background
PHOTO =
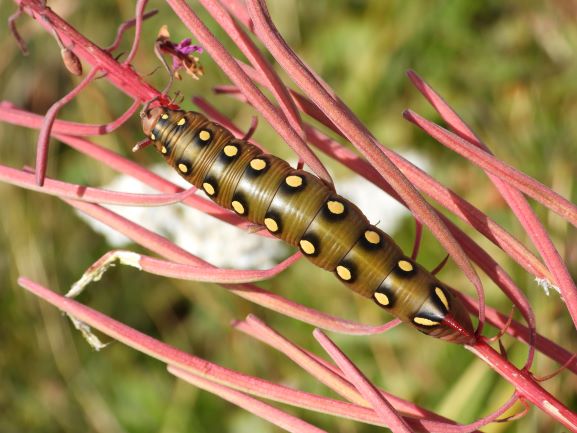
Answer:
(509, 68)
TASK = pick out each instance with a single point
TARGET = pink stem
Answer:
(16, 116)
(26, 180)
(208, 370)
(249, 49)
(526, 386)
(265, 411)
(383, 408)
(140, 5)
(45, 130)
(124, 27)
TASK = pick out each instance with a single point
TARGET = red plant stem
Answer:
(214, 372)
(514, 198)
(557, 203)
(248, 48)
(44, 136)
(140, 5)
(61, 189)
(322, 370)
(522, 333)
(16, 116)
(265, 411)
(418, 239)
(203, 273)
(125, 26)
(526, 385)
(365, 388)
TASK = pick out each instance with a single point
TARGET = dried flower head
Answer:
(181, 53)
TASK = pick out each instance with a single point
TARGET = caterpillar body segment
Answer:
(299, 208)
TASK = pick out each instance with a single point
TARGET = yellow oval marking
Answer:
(442, 297)
(372, 237)
(271, 225)
(294, 181)
(238, 207)
(164, 116)
(204, 135)
(152, 137)
(307, 247)
(183, 168)
(344, 273)
(405, 265)
(181, 121)
(163, 150)
(230, 150)
(382, 298)
(335, 207)
(424, 321)
(208, 188)
(258, 164)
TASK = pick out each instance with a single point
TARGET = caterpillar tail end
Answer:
(460, 328)
(444, 316)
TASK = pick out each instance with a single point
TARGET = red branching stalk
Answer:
(382, 166)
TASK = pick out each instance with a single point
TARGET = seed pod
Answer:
(71, 61)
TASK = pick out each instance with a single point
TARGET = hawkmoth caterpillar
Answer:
(299, 208)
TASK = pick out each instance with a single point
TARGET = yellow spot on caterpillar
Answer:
(163, 150)
(181, 121)
(152, 137)
(335, 207)
(271, 225)
(382, 299)
(164, 116)
(442, 297)
(238, 207)
(405, 265)
(372, 237)
(204, 135)
(258, 164)
(424, 321)
(344, 273)
(307, 247)
(183, 168)
(208, 188)
(230, 150)
(294, 181)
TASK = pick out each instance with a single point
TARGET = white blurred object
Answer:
(224, 245)
(204, 236)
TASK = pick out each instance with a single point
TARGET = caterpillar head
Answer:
(150, 118)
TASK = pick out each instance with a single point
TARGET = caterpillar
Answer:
(297, 207)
